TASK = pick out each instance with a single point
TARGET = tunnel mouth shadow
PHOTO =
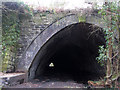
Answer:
(67, 67)
(73, 52)
(54, 76)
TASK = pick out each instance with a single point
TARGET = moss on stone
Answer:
(81, 18)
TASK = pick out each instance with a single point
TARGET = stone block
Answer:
(11, 79)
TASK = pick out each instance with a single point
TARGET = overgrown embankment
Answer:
(13, 14)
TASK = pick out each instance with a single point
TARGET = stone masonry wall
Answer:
(41, 20)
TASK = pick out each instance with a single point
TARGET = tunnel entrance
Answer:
(70, 54)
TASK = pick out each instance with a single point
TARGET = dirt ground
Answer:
(54, 82)
(51, 82)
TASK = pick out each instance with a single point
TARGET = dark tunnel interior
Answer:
(71, 54)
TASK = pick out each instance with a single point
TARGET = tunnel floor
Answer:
(52, 75)
(52, 78)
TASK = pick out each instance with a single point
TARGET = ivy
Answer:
(109, 53)
(11, 22)
(102, 57)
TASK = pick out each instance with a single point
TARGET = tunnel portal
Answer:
(71, 53)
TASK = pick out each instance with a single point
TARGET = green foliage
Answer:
(110, 52)
(102, 56)
(11, 22)
(110, 16)
(27, 8)
(10, 36)
(81, 18)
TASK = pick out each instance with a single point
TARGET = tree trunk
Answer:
(109, 54)
(109, 64)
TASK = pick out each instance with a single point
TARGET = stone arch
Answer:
(34, 49)
(42, 38)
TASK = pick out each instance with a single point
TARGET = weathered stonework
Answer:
(12, 79)
(41, 29)
(35, 32)
(43, 37)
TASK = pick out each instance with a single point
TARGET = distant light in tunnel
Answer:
(51, 65)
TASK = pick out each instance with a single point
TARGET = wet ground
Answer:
(56, 80)
(52, 82)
